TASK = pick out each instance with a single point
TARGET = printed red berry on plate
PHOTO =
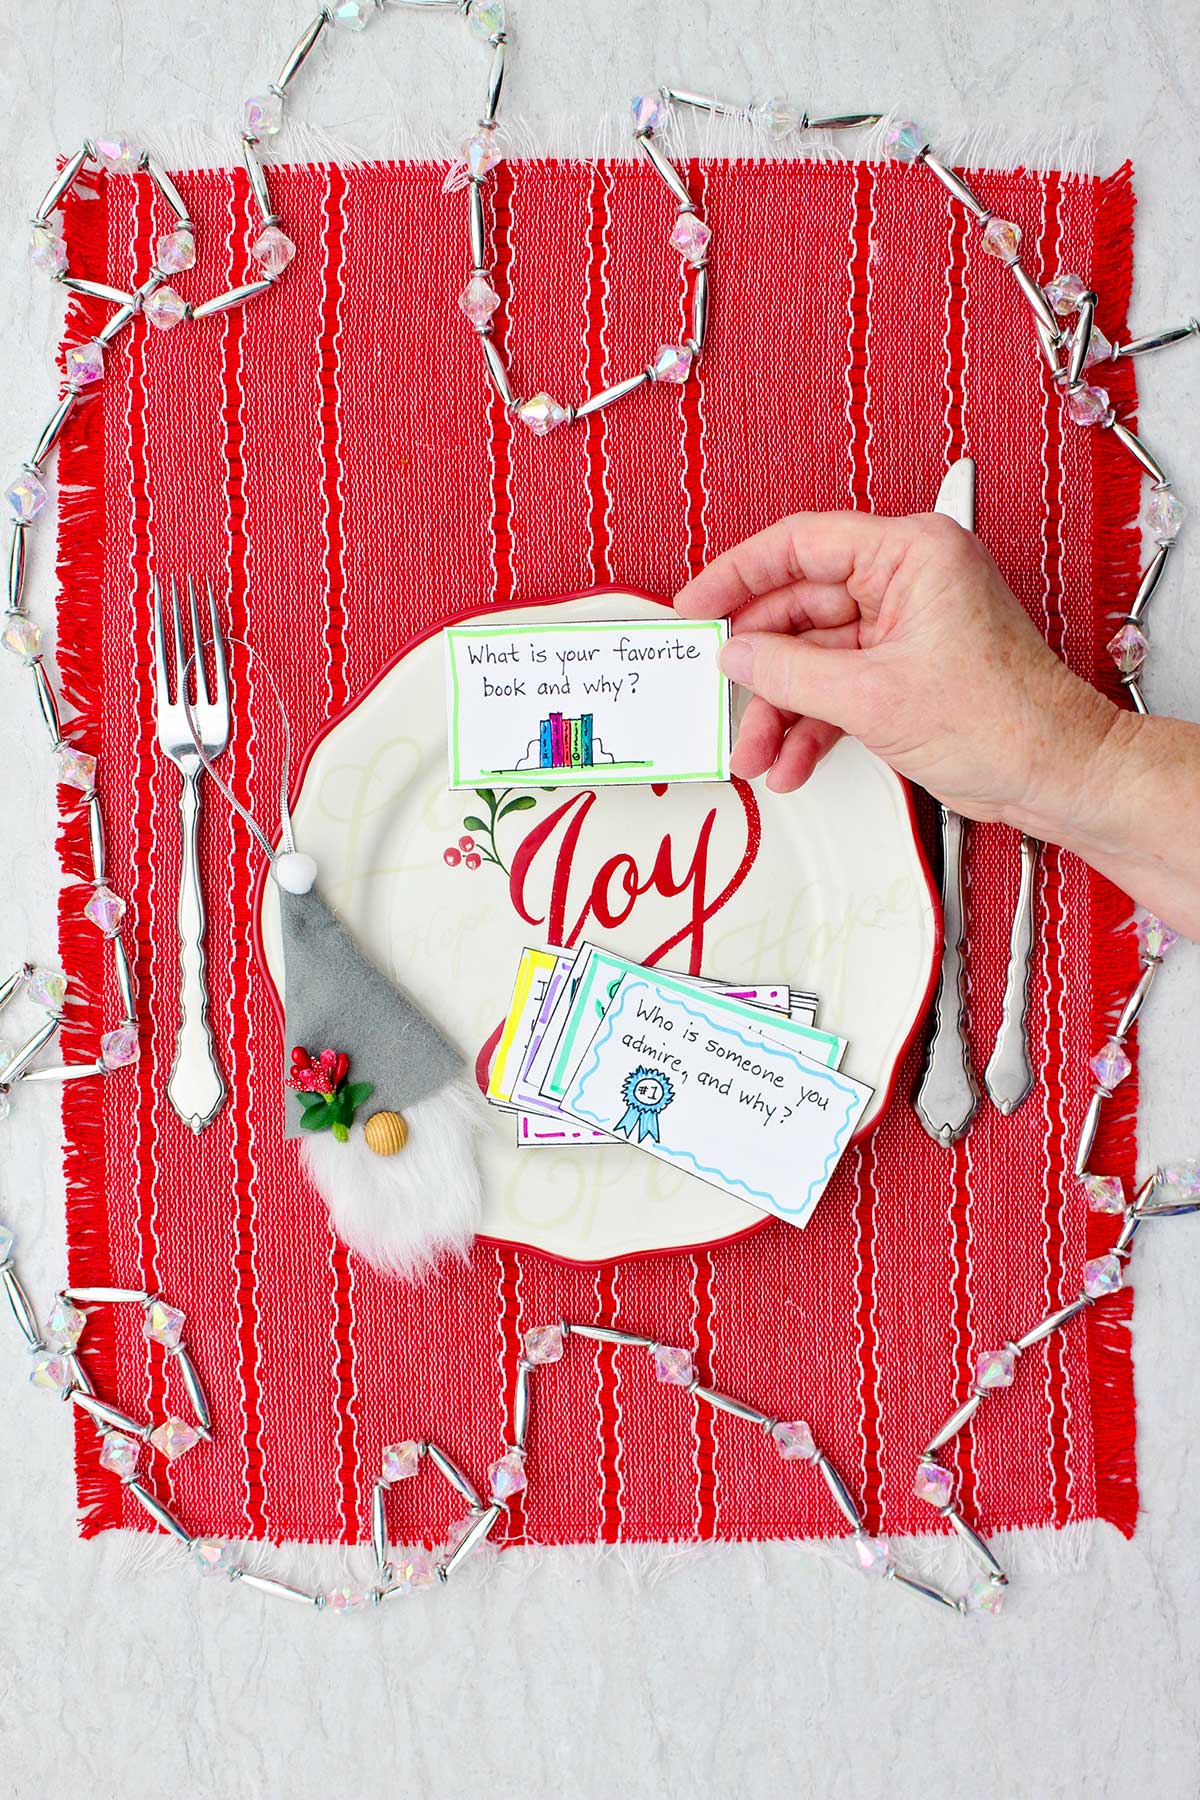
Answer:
(472, 861)
(466, 843)
(452, 857)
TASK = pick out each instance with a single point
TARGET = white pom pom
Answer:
(295, 871)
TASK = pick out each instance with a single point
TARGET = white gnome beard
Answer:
(403, 1212)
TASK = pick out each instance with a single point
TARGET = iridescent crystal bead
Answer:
(691, 237)
(119, 1455)
(25, 497)
(174, 1438)
(116, 153)
(48, 988)
(933, 1484)
(479, 300)
(22, 637)
(75, 768)
(481, 153)
(413, 1569)
(507, 1476)
(544, 1344)
(51, 1372)
(165, 308)
(794, 1440)
(262, 116)
(778, 118)
(460, 1529)
(672, 363)
(1155, 937)
(8, 1243)
(1001, 239)
(1182, 1178)
(175, 252)
(84, 364)
(272, 250)
(212, 1556)
(345, 1600)
(649, 112)
(874, 1555)
(120, 1047)
(1089, 405)
(1103, 1275)
(1129, 648)
(487, 18)
(903, 138)
(1065, 293)
(1164, 516)
(351, 15)
(673, 1365)
(1110, 1066)
(105, 910)
(65, 1325)
(542, 414)
(985, 1595)
(400, 1461)
(995, 1369)
(1105, 1193)
(47, 251)
(163, 1325)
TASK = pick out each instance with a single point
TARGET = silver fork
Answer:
(196, 1087)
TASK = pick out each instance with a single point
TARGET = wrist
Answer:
(1072, 791)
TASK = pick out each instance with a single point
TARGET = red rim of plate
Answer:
(474, 612)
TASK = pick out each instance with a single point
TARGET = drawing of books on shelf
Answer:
(563, 743)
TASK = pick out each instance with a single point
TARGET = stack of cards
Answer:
(735, 1084)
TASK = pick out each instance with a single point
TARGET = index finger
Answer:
(820, 547)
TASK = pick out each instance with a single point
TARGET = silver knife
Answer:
(946, 1099)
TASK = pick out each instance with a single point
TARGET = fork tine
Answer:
(176, 626)
(222, 672)
(197, 647)
(162, 689)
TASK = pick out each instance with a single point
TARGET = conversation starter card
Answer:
(610, 702)
(677, 1073)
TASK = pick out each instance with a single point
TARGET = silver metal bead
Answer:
(610, 395)
(495, 84)
(21, 1059)
(16, 567)
(21, 1307)
(53, 428)
(1053, 1323)
(95, 290)
(1137, 449)
(80, 1376)
(299, 51)
(703, 102)
(226, 302)
(379, 1544)
(475, 222)
(841, 1493)
(258, 183)
(104, 1296)
(47, 704)
(279, 1590)
(665, 169)
(1137, 698)
(723, 1403)
(1042, 308)
(157, 1511)
(975, 1544)
(453, 1475)
(62, 181)
(64, 1072)
(170, 193)
(1156, 340)
(117, 323)
(608, 1334)
(1149, 582)
(124, 980)
(1087, 1135)
(104, 1414)
(193, 1389)
(520, 1405)
(954, 184)
(95, 837)
(1127, 1233)
(953, 1425)
(1051, 343)
(1166, 1211)
(482, 1528)
(1081, 340)
(926, 1590)
(842, 122)
(11, 983)
(700, 308)
(496, 369)
(1136, 1001)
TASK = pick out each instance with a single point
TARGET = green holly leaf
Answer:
(317, 1118)
(475, 824)
(522, 804)
(312, 1102)
(358, 1091)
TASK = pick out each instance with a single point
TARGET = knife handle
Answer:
(948, 1095)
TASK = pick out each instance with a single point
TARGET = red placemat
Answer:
(329, 455)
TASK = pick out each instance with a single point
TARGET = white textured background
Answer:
(737, 1672)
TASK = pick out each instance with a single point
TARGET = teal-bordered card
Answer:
(610, 702)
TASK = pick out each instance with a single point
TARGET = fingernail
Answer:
(737, 660)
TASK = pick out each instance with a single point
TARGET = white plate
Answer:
(832, 895)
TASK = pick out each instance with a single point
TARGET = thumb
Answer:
(799, 677)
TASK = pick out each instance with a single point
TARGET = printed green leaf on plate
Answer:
(521, 804)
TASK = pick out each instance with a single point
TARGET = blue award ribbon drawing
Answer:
(646, 1092)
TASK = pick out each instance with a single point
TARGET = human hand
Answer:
(903, 633)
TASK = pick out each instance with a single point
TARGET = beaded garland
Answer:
(1069, 354)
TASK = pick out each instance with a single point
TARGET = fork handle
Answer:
(947, 1097)
(196, 1087)
(1009, 1074)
